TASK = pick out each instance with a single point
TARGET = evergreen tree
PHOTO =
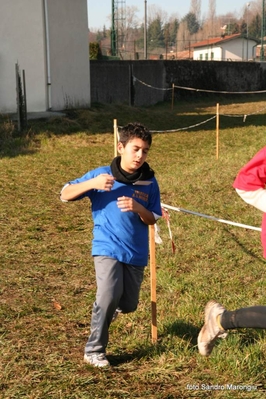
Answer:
(254, 29)
(243, 28)
(173, 28)
(235, 28)
(192, 23)
(155, 35)
(104, 32)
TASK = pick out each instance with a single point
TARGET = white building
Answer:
(226, 48)
(49, 41)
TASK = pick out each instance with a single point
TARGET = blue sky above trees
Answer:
(99, 11)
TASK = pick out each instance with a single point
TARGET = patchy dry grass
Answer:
(45, 258)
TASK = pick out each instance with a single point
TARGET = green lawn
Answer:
(45, 257)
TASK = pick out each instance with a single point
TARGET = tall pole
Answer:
(248, 4)
(113, 31)
(145, 29)
(262, 33)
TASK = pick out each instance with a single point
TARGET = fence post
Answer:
(18, 95)
(173, 95)
(115, 137)
(153, 284)
(217, 131)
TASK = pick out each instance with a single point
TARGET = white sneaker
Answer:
(96, 359)
(211, 330)
(115, 315)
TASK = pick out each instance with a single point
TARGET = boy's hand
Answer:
(104, 182)
(128, 204)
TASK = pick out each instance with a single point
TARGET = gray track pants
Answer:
(118, 286)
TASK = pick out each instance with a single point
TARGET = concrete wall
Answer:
(69, 53)
(53, 51)
(120, 81)
(22, 41)
(113, 82)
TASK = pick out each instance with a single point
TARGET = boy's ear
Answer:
(120, 147)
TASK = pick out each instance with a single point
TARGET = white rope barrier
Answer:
(181, 128)
(243, 116)
(152, 87)
(211, 217)
(200, 90)
(221, 91)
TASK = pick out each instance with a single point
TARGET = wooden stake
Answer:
(115, 137)
(173, 95)
(217, 131)
(153, 284)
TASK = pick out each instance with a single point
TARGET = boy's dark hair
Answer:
(132, 130)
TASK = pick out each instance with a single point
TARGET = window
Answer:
(206, 57)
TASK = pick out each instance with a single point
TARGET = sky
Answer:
(100, 10)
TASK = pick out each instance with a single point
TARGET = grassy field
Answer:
(47, 283)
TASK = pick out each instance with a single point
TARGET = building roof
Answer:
(183, 55)
(216, 40)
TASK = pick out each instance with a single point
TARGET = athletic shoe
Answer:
(211, 330)
(115, 315)
(96, 359)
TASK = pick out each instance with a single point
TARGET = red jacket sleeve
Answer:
(253, 175)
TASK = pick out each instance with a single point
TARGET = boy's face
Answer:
(133, 155)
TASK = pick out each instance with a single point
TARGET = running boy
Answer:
(125, 199)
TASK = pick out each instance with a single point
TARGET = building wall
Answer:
(22, 41)
(205, 53)
(23, 29)
(239, 49)
(69, 53)
(242, 49)
(234, 50)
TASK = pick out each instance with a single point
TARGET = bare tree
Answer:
(132, 21)
(127, 25)
(212, 15)
(195, 8)
(212, 9)
(156, 12)
(183, 36)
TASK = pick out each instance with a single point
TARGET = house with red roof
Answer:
(225, 48)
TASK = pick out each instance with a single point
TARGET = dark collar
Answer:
(143, 173)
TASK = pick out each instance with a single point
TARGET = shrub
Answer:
(95, 51)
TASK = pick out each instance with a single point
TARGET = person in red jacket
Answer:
(250, 185)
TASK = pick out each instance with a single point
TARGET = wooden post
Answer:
(115, 137)
(18, 96)
(25, 112)
(153, 284)
(173, 95)
(217, 131)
